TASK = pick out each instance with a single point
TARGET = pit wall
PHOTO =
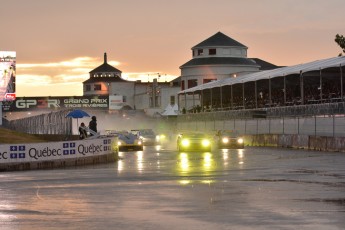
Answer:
(307, 142)
(49, 155)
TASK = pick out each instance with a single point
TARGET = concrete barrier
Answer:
(318, 143)
(60, 154)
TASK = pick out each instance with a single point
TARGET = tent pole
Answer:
(321, 84)
(341, 82)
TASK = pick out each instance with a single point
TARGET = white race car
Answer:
(127, 141)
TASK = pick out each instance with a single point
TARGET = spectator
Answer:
(93, 125)
(82, 131)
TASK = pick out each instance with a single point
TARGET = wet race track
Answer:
(159, 188)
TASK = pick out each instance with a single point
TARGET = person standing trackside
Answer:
(82, 131)
(93, 125)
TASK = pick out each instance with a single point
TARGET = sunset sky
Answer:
(59, 41)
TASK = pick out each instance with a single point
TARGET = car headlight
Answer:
(225, 140)
(240, 140)
(205, 143)
(119, 143)
(140, 142)
(185, 142)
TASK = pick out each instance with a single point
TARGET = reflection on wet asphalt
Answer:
(159, 188)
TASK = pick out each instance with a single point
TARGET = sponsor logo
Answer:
(40, 103)
(45, 152)
(10, 96)
(17, 151)
(90, 149)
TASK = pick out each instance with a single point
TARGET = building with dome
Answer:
(218, 57)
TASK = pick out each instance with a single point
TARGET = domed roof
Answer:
(219, 40)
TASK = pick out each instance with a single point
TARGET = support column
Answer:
(221, 98)
(211, 100)
(320, 85)
(284, 77)
(193, 103)
(269, 92)
(256, 95)
(202, 100)
(341, 82)
(231, 97)
(185, 102)
(243, 99)
(301, 87)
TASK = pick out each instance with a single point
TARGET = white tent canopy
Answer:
(170, 110)
(296, 69)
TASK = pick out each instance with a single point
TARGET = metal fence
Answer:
(318, 120)
(49, 123)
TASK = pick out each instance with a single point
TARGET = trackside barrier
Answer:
(49, 155)
(308, 142)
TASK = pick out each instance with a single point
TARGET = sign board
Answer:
(48, 151)
(115, 102)
(56, 103)
(7, 75)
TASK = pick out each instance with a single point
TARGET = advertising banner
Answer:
(7, 75)
(115, 102)
(56, 103)
(48, 151)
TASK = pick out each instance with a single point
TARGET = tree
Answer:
(340, 40)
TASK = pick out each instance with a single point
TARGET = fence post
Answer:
(333, 125)
(315, 125)
(245, 126)
(283, 126)
(257, 126)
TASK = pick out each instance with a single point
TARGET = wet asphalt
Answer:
(160, 188)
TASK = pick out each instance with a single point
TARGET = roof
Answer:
(105, 67)
(218, 40)
(264, 65)
(219, 61)
(279, 72)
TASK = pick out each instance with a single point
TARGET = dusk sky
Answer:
(59, 41)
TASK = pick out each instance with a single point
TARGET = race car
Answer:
(194, 141)
(147, 136)
(128, 141)
(227, 139)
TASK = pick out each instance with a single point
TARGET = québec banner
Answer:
(48, 151)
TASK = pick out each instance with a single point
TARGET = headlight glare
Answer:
(240, 140)
(205, 143)
(185, 142)
(225, 140)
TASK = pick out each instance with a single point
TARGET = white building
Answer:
(152, 97)
(216, 58)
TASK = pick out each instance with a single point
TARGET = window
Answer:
(97, 87)
(172, 100)
(87, 88)
(212, 52)
(192, 83)
(182, 85)
(200, 52)
(124, 98)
